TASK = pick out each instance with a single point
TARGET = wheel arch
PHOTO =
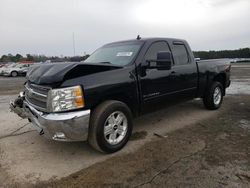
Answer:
(122, 97)
(221, 77)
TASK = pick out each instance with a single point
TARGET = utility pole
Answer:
(74, 48)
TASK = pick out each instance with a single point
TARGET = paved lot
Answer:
(26, 158)
(10, 86)
(213, 152)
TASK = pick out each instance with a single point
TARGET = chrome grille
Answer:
(36, 96)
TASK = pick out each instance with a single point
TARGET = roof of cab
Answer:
(151, 39)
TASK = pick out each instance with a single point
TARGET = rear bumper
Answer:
(22, 73)
(70, 126)
(228, 83)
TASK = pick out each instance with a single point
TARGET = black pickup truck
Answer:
(95, 100)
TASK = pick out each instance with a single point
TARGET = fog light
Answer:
(59, 136)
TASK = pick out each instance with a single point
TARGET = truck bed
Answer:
(207, 69)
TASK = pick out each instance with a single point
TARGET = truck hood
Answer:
(51, 73)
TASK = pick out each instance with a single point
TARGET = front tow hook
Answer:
(41, 132)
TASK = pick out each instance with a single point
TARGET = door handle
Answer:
(173, 72)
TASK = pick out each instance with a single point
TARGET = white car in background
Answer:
(16, 70)
(6, 66)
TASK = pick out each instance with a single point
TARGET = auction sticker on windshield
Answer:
(124, 54)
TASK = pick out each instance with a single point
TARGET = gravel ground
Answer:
(202, 148)
(211, 153)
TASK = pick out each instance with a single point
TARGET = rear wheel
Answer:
(214, 96)
(14, 74)
(110, 126)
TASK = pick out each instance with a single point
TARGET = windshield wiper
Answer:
(105, 62)
(101, 62)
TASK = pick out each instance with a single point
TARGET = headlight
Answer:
(65, 99)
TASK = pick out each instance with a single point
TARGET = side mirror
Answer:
(164, 61)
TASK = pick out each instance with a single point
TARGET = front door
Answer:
(155, 83)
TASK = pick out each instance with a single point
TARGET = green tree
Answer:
(239, 53)
(29, 57)
(18, 57)
(4, 58)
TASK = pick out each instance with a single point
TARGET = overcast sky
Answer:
(46, 26)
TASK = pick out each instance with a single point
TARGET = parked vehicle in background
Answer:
(18, 69)
(240, 60)
(96, 100)
(6, 66)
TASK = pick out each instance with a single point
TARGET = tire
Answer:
(214, 96)
(14, 74)
(106, 133)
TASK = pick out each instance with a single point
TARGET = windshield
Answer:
(22, 65)
(116, 54)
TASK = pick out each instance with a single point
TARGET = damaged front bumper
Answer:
(70, 126)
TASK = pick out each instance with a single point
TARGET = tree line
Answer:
(239, 53)
(40, 58)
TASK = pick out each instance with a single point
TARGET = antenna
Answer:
(74, 48)
(138, 37)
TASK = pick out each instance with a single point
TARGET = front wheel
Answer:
(110, 126)
(214, 96)
(14, 74)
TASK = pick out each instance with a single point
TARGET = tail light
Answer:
(228, 68)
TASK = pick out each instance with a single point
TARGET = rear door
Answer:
(184, 70)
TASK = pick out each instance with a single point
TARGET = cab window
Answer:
(180, 54)
(155, 48)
